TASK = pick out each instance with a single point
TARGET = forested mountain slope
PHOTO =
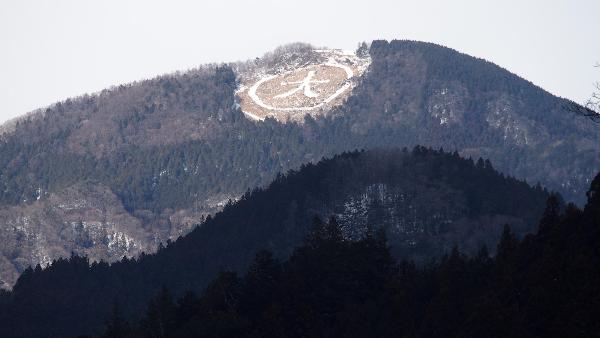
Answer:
(545, 285)
(426, 201)
(420, 93)
(167, 152)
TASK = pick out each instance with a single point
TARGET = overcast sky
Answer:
(55, 49)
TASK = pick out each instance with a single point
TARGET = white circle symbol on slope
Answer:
(330, 63)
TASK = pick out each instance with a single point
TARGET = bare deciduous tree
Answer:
(591, 108)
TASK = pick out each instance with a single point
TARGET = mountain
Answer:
(425, 200)
(118, 172)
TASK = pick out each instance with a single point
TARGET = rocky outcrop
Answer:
(84, 219)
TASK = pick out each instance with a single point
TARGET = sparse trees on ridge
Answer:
(591, 108)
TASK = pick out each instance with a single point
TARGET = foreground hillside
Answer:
(118, 172)
(545, 285)
(426, 201)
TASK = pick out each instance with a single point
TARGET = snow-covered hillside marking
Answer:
(304, 85)
(298, 85)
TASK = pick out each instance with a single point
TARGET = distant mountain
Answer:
(118, 172)
(427, 202)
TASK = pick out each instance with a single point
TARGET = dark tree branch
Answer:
(591, 108)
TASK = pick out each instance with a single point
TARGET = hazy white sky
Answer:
(54, 49)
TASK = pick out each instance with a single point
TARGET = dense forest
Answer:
(463, 203)
(545, 285)
(420, 94)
